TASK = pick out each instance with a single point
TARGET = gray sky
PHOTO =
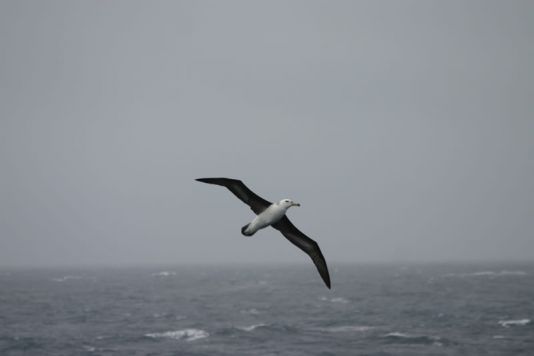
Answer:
(405, 129)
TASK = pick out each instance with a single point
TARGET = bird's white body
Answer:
(269, 216)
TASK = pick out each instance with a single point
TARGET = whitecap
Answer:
(339, 300)
(66, 278)
(89, 348)
(164, 274)
(482, 273)
(184, 334)
(502, 273)
(399, 335)
(251, 327)
(335, 300)
(435, 340)
(348, 328)
(512, 273)
(251, 311)
(518, 322)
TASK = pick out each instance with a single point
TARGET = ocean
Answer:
(269, 310)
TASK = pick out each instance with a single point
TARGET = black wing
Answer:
(240, 190)
(297, 238)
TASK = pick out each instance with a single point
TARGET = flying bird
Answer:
(273, 214)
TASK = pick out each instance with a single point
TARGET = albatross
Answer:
(273, 214)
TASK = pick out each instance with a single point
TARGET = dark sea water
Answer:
(269, 310)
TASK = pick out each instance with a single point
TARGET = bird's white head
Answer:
(287, 203)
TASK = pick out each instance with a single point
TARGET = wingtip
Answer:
(326, 277)
(203, 180)
(328, 284)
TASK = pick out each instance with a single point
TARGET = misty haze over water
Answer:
(403, 128)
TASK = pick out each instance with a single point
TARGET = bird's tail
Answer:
(244, 230)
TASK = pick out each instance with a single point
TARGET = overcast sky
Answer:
(405, 129)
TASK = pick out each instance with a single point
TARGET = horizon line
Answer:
(121, 265)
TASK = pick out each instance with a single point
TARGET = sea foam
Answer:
(164, 274)
(335, 300)
(417, 339)
(184, 334)
(251, 327)
(89, 348)
(518, 322)
(66, 278)
(488, 274)
(252, 311)
(347, 328)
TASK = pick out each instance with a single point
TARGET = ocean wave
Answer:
(502, 273)
(66, 278)
(89, 348)
(184, 334)
(347, 328)
(335, 300)
(251, 327)
(251, 311)
(168, 316)
(164, 274)
(415, 339)
(518, 322)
